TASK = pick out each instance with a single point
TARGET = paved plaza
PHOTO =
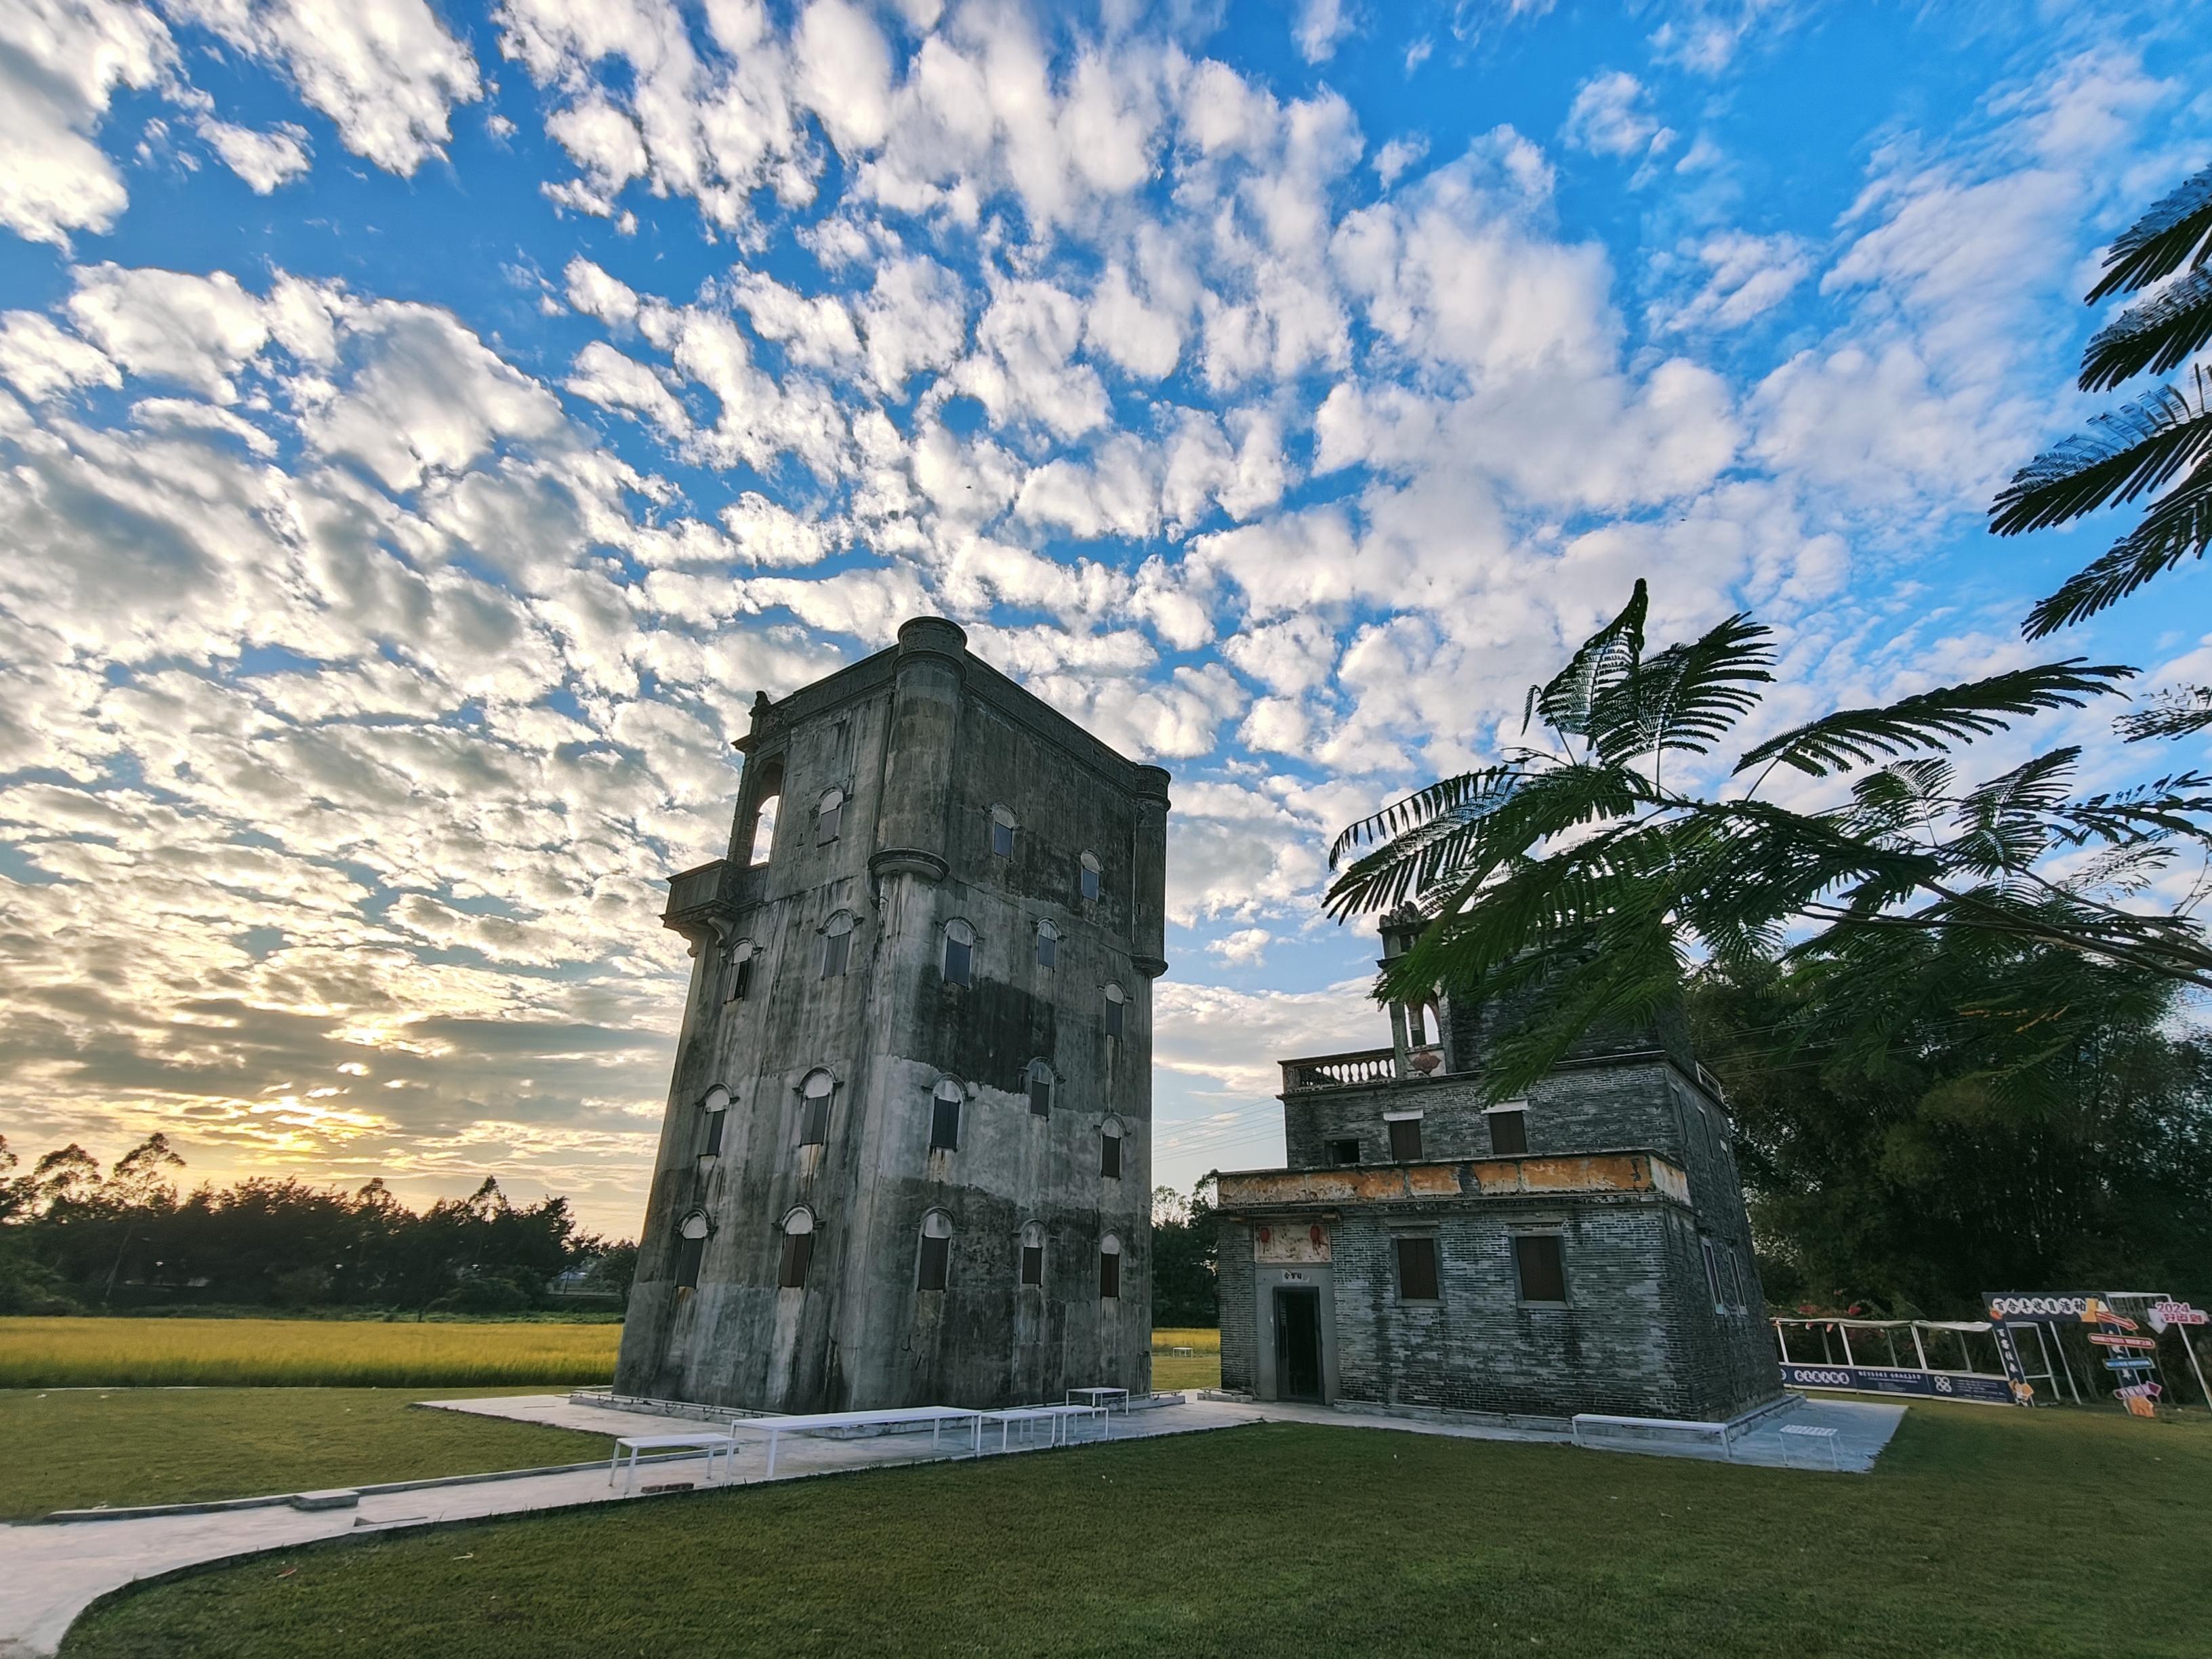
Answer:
(51, 1571)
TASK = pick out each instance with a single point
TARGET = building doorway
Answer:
(1298, 1345)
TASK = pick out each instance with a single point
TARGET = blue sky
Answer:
(426, 429)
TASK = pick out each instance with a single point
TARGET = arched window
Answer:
(690, 1247)
(1048, 946)
(1109, 1148)
(798, 1249)
(829, 817)
(1033, 1253)
(1088, 879)
(959, 953)
(765, 804)
(1116, 1000)
(1109, 1267)
(944, 1116)
(836, 944)
(936, 1251)
(814, 1095)
(716, 1110)
(1041, 1081)
(1002, 831)
(742, 956)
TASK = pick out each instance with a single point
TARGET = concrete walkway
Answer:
(50, 1573)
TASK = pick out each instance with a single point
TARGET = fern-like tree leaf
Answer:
(1569, 700)
(1686, 698)
(2176, 232)
(2138, 446)
(2160, 335)
(2178, 527)
(2181, 712)
(1936, 719)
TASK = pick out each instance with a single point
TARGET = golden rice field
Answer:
(1208, 1341)
(58, 1354)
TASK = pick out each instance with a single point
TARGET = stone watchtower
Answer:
(907, 1158)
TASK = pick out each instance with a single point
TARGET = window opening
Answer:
(798, 1249)
(1508, 1130)
(1040, 1088)
(814, 1109)
(1728, 1272)
(1343, 1153)
(1713, 1276)
(764, 814)
(1116, 1000)
(1033, 1253)
(944, 1116)
(1417, 1270)
(691, 1249)
(829, 817)
(836, 944)
(1405, 1140)
(1002, 832)
(936, 1251)
(741, 970)
(1541, 1261)
(1048, 946)
(716, 1108)
(1109, 1150)
(959, 952)
(1089, 876)
(1109, 1267)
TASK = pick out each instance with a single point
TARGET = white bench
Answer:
(1673, 1425)
(1806, 1431)
(1101, 1398)
(713, 1441)
(819, 1422)
(1060, 1418)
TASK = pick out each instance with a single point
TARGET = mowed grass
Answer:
(49, 1353)
(1984, 1532)
(1198, 1369)
(80, 1447)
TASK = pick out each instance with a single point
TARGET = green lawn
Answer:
(1986, 1531)
(73, 1448)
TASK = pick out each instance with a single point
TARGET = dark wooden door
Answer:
(1297, 1345)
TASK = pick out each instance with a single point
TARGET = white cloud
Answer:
(264, 159)
(386, 71)
(1749, 276)
(60, 63)
(1608, 118)
(1321, 24)
(41, 360)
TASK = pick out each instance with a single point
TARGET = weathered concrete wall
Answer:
(925, 741)
(1641, 1333)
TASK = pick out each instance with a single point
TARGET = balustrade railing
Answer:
(1339, 1070)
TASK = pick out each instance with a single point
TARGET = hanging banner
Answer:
(2176, 1313)
(1882, 1379)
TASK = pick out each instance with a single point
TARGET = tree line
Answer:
(73, 1239)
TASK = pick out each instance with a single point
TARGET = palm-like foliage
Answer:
(2142, 446)
(1578, 871)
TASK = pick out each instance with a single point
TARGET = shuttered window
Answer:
(1405, 1140)
(1539, 1259)
(1509, 1132)
(944, 1117)
(1417, 1270)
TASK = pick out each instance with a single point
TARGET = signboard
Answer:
(2050, 1307)
(1879, 1379)
(2163, 1314)
(2105, 1339)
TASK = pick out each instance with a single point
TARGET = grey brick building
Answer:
(906, 1157)
(1583, 1249)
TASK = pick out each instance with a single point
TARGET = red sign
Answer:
(2104, 1341)
(2176, 1313)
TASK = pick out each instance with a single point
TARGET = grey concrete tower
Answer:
(907, 1158)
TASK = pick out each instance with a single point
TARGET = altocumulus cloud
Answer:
(386, 578)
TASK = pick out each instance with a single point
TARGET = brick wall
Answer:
(1238, 1309)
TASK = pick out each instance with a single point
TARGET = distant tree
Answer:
(1580, 880)
(2161, 438)
(1184, 1291)
(1951, 1115)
